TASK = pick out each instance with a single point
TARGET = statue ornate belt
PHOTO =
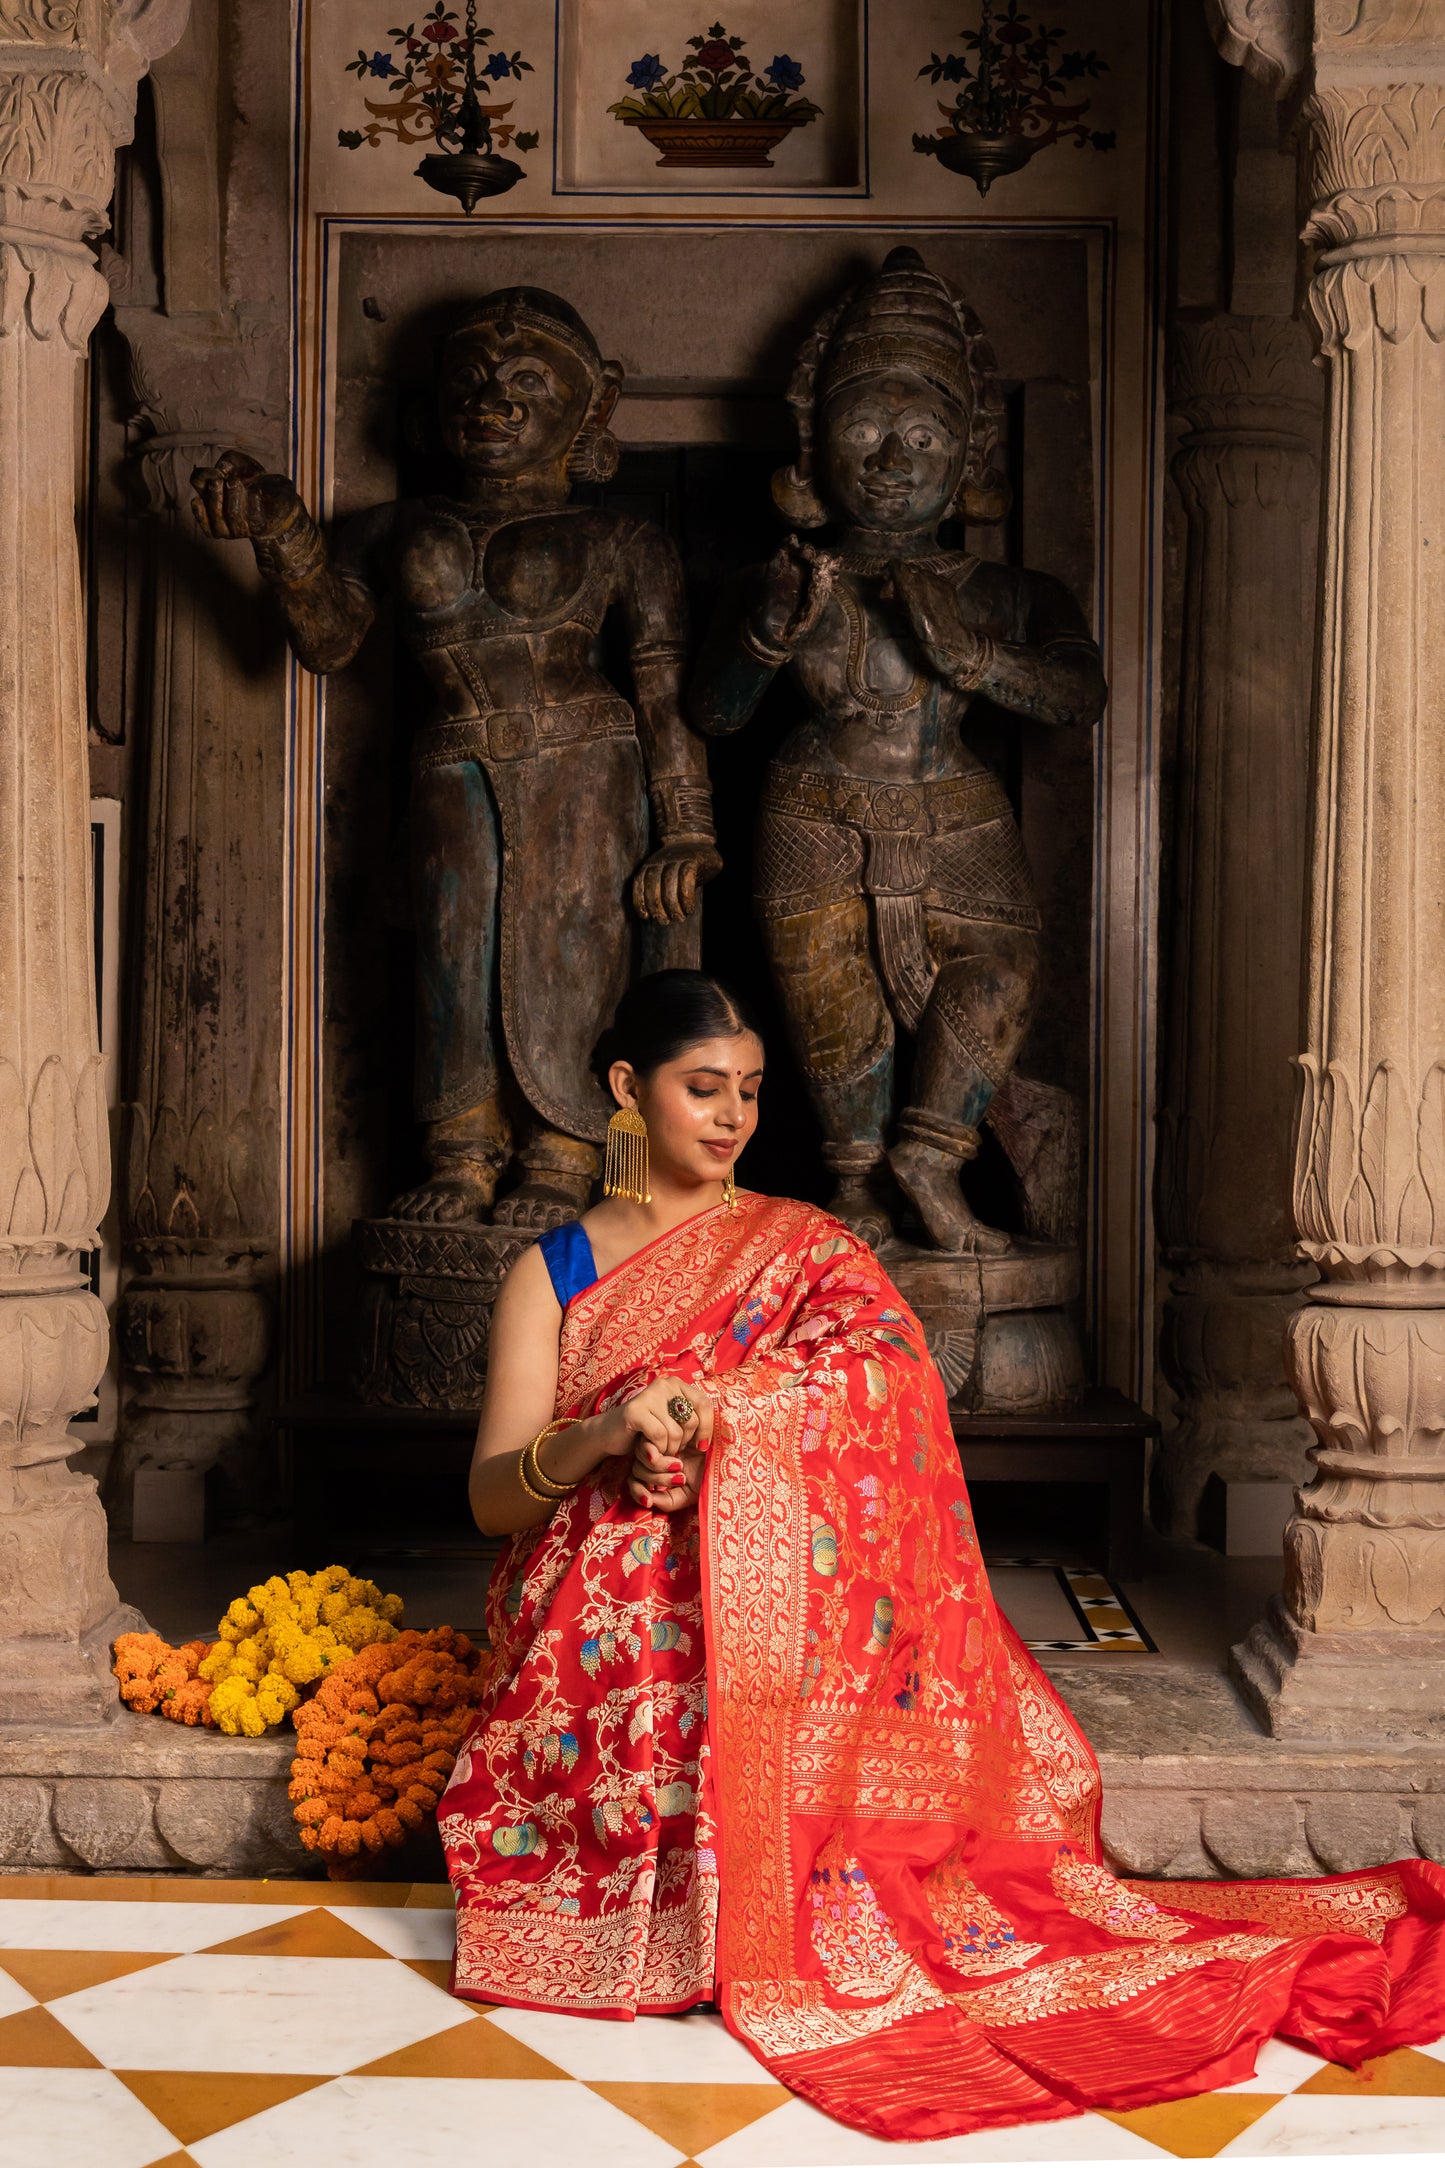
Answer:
(949, 845)
(519, 733)
(954, 801)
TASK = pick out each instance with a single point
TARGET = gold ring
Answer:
(681, 1409)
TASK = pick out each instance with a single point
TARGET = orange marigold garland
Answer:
(379, 1740)
(153, 1675)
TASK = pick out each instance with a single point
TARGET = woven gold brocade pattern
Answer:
(1362, 1907)
(1120, 1908)
(1098, 1980)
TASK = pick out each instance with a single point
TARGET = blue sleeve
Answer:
(569, 1260)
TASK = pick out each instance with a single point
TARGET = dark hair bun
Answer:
(662, 1016)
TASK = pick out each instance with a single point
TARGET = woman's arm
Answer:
(521, 1396)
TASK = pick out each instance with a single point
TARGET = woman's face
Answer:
(700, 1109)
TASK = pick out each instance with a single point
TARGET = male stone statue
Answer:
(891, 879)
(529, 817)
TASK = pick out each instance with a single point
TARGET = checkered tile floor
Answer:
(285, 2024)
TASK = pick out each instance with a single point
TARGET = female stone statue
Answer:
(891, 879)
(531, 779)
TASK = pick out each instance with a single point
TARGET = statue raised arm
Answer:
(532, 775)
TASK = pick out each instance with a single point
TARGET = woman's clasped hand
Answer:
(667, 1450)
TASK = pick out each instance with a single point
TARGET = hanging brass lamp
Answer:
(986, 138)
(475, 170)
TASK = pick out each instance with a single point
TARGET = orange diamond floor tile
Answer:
(696, 2115)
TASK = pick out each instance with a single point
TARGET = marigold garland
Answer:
(274, 1642)
(379, 1740)
(153, 1675)
(284, 1635)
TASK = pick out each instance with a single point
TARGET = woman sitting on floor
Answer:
(756, 1730)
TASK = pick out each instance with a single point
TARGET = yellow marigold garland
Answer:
(378, 1742)
(274, 1642)
(285, 1634)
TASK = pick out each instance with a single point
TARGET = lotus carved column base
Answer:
(1355, 1648)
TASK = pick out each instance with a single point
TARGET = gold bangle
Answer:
(539, 1483)
(539, 1496)
(537, 1478)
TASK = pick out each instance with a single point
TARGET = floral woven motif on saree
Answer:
(783, 1751)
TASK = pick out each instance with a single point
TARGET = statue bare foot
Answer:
(857, 1204)
(930, 1181)
(542, 1201)
(457, 1192)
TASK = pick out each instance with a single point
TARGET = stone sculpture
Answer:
(891, 883)
(531, 781)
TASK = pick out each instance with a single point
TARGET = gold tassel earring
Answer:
(624, 1171)
(730, 1191)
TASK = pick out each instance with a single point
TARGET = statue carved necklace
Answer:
(867, 695)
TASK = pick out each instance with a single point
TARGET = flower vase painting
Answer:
(713, 109)
(658, 98)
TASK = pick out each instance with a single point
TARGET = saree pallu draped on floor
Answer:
(783, 1749)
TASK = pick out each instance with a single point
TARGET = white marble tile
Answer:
(75, 2119)
(325, 2014)
(412, 1932)
(12, 1995)
(797, 2136)
(1279, 2068)
(653, 2050)
(1326, 2125)
(63, 1923)
(438, 2123)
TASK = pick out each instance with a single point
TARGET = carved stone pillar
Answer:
(1356, 1647)
(200, 1182)
(67, 83)
(1248, 472)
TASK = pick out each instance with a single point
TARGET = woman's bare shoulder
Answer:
(526, 1287)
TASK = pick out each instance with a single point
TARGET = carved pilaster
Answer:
(67, 77)
(1248, 473)
(1357, 1646)
(201, 1176)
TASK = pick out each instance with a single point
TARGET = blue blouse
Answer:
(569, 1259)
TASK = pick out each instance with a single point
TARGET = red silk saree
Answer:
(782, 1751)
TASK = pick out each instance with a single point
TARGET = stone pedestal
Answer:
(67, 81)
(426, 1307)
(1003, 1330)
(1356, 1649)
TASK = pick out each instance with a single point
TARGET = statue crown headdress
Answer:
(904, 317)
